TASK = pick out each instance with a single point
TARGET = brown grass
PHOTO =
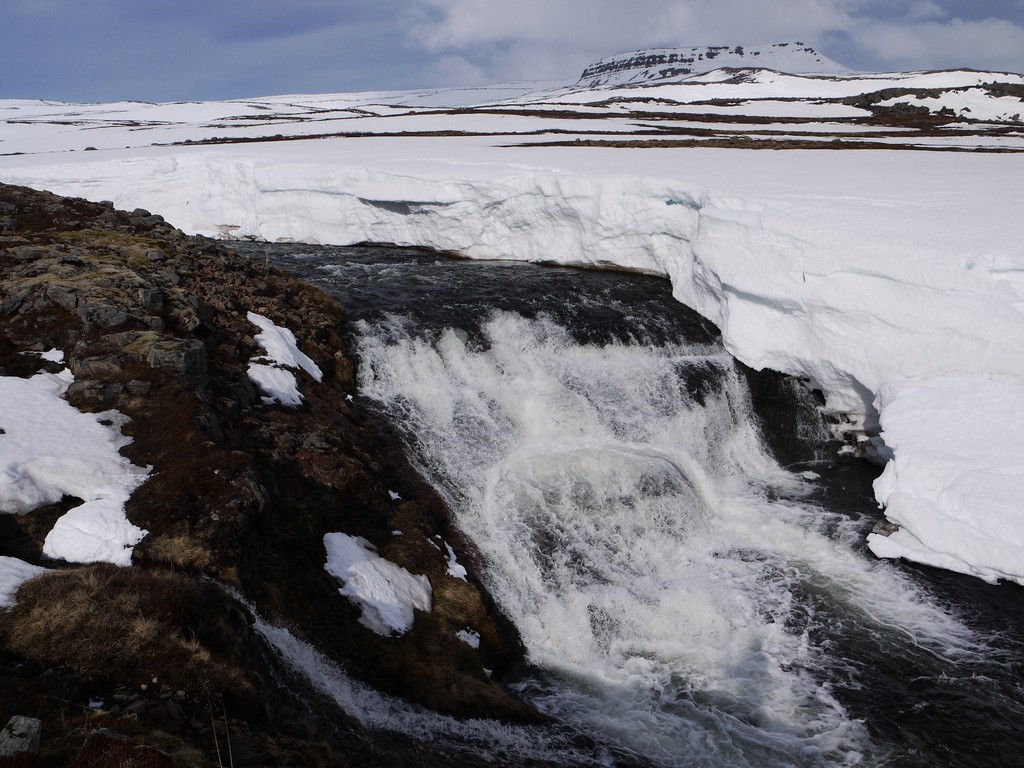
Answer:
(179, 550)
(128, 624)
(104, 752)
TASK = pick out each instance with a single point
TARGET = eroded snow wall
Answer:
(856, 282)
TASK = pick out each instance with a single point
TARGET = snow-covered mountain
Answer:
(653, 64)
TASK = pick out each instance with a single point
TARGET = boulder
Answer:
(188, 357)
(20, 736)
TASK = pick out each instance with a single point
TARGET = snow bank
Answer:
(956, 482)
(272, 372)
(849, 268)
(386, 592)
(50, 450)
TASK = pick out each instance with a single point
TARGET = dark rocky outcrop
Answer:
(153, 324)
(652, 65)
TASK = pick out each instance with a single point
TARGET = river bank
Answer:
(153, 324)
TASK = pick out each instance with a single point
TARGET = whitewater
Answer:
(890, 279)
(683, 600)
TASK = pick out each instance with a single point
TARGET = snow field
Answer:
(857, 270)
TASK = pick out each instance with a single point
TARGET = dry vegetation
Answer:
(162, 627)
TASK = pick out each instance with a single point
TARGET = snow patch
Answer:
(469, 637)
(272, 372)
(95, 532)
(455, 570)
(14, 573)
(49, 451)
(50, 355)
(386, 592)
(970, 103)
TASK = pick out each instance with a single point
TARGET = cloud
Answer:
(926, 10)
(181, 49)
(556, 38)
(216, 20)
(163, 50)
(541, 39)
(990, 43)
(231, 20)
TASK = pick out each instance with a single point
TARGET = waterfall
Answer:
(683, 600)
(666, 575)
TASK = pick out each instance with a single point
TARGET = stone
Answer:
(137, 707)
(95, 368)
(20, 735)
(63, 296)
(139, 387)
(189, 357)
(84, 390)
(102, 314)
(152, 300)
(29, 252)
(203, 310)
(12, 303)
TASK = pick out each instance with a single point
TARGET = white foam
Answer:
(626, 532)
(480, 738)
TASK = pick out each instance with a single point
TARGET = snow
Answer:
(14, 573)
(973, 103)
(49, 451)
(956, 481)
(272, 372)
(787, 57)
(769, 84)
(469, 637)
(50, 355)
(859, 270)
(94, 532)
(279, 385)
(387, 593)
(455, 569)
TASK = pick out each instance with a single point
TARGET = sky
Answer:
(178, 50)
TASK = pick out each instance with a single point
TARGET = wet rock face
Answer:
(153, 323)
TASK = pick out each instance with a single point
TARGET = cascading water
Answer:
(680, 598)
(628, 533)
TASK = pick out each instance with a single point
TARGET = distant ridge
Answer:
(666, 63)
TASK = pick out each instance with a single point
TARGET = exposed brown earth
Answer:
(153, 323)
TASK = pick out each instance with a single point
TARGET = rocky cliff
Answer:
(656, 64)
(153, 324)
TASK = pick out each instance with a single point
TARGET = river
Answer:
(684, 599)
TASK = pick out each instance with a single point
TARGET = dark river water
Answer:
(684, 599)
